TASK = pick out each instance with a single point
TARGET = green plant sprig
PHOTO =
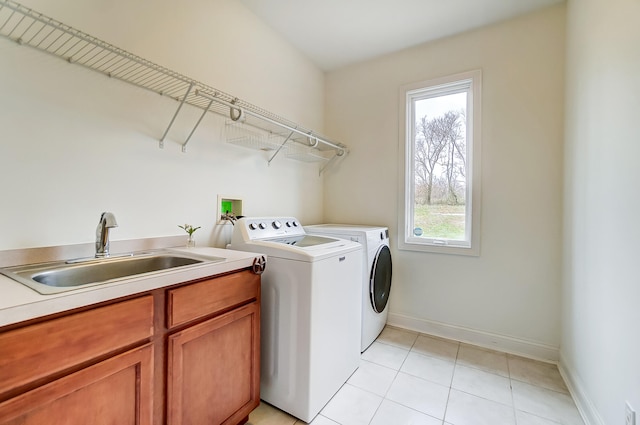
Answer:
(189, 228)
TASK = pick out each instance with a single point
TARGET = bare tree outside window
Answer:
(440, 166)
(440, 159)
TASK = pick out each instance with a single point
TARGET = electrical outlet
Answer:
(629, 414)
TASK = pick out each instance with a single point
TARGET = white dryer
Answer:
(375, 276)
(310, 330)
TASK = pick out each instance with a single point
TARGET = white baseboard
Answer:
(587, 409)
(507, 344)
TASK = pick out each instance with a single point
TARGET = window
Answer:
(440, 162)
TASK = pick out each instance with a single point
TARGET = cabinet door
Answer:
(35, 352)
(214, 369)
(115, 391)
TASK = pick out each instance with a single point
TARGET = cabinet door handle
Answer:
(259, 264)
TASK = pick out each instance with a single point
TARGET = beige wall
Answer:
(601, 290)
(75, 143)
(507, 297)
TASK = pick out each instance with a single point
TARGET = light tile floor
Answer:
(407, 378)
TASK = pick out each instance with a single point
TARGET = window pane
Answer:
(440, 159)
(440, 167)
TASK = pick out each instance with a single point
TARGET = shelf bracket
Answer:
(280, 148)
(184, 145)
(175, 115)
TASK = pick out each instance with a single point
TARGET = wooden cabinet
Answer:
(214, 366)
(189, 354)
(213, 370)
(115, 391)
(77, 367)
(32, 353)
(209, 297)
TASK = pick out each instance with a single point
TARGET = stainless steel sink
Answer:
(51, 278)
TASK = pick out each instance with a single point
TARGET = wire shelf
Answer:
(30, 28)
(241, 135)
(307, 154)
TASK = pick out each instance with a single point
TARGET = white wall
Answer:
(509, 296)
(74, 143)
(601, 290)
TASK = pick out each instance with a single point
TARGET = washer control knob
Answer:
(276, 224)
(294, 223)
(253, 226)
(262, 226)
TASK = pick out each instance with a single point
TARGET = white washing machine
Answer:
(376, 274)
(310, 330)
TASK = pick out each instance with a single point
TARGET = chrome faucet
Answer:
(107, 221)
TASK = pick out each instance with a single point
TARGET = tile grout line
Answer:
(513, 400)
(384, 397)
(513, 377)
(455, 363)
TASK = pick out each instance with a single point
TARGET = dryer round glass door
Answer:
(380, 280)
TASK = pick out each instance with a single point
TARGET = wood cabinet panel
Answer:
(115, 391)
(82, 368)
(43, 349)
(202, 299)
(214, 369)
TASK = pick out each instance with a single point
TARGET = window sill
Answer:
(472, 251)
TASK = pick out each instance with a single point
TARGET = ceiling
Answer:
(336, 33)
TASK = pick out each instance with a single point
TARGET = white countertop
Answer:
(19, 302)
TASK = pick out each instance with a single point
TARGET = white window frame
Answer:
(409, 93)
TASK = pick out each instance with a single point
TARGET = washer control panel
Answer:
(270, 227)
